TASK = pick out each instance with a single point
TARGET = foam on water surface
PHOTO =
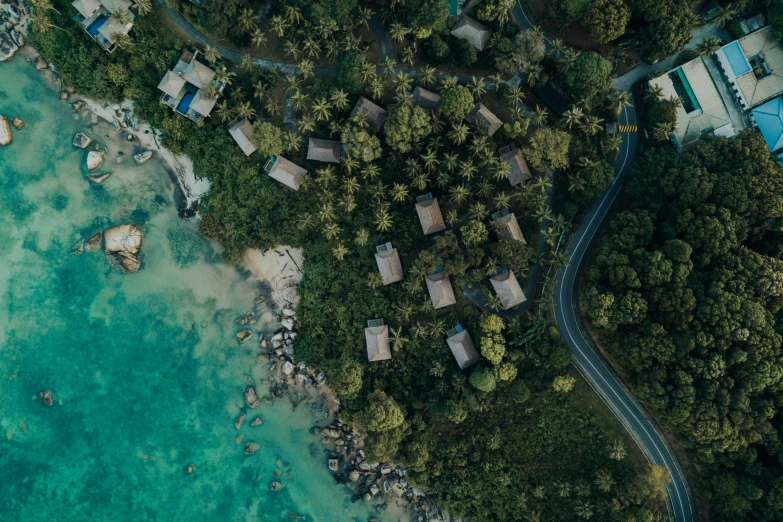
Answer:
(141, 388)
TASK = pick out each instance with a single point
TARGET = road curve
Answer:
(589, 361)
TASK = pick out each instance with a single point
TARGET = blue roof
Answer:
(769, 118)
(737, 60)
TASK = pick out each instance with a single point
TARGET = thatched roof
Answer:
(198, 74)
(389, 266)
(86, 8)
(323, 150)
(425, 99)
(172, 84)
(201, 104)
(483, 117)
(440, 289)
(242, 132)
(508, 228)
(475, 33)
(375, 114)
(377, 338)
(464, 350)
(287, 172)
(430, 217)
(519, 170)
(507, 288)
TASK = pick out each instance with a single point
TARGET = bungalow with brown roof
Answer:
(95, 16)
(425, 99)
(507, 226)
(185, 87)
(376, 336)
(242, 132)
(323, 150)
(286, 172)
(475, 33)
(388, 260)
(375, 114)
(519, 170)
(462, 347)
(480, 116)
(430, 216)
(440, 290)
(507, 288)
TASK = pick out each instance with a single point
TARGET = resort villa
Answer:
(376, 115)
(388, 260)
(105, 20)
(480, 116)
(507, 226)
(242, 132)
(328, 151)
(285, 171)
(518, 169)
(376, 336)
(440, 290)
(425, 99)
(462, 347)
(507, 288)
(472, 31)
(191, 88)
(702, 109)
(429, 213)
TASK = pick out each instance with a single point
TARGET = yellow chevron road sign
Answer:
(627, 128)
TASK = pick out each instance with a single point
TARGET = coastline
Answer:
(281, 269)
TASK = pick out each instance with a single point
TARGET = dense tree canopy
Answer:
(606, 19)
(590, 76)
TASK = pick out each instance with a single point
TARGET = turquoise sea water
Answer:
(141, 388)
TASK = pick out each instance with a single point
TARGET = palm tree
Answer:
(340, 251)
(293, 14)
(211, 54)
(331, 230)
(494, 302)
(467, 169)
(247, 20)
(382, 220)
(539, 116)
(244, 111)
(371, 171)
(604, 480)
(300, 100)
(612, 143)
(291, 47)
(259, 38)
(311, 47)
(399, 192)
(563, 489)
(224, 112)
(351, 42)
(708, 46)
(437, 369)
(123, 41)
(430, 159)
(514, 96)
(305, 123)
(459, 133)
(272, 106)
(576, 183)
(121, 16)
(406, 56)
(402, 82)
(447, 82)
(583, 509)
(459, 194)
(143, 7)
(279, 25)
(500, 170)
(572, 116)
(374, 280)
(476, 87)
(617, 450)
(427, 75)
(725, 14)
(653, 92)
(362, 237)
(450, 161)
(248, 64)
(533, 74)
(478, 211)
(368, 72)
(306, 69)
(339, 99)
(420, 181)
(567, 61)
(388, 66)
(397, 339)
(397, 32)
(556, 48)
(365, 13)
(621, 100)
(591, 125)
(223, 75)
(502, 200)
(291, 141)
(332, 48)
(662, 131)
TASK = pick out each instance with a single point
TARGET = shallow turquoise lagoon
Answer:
(146, 373)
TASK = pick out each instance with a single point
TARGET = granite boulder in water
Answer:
(7, 46)
(123, 244)
(251, 398)
(94, 160)
(81, 140)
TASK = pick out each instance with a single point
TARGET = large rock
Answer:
(47, 397)
(251, 399)
(8, 46)
(98, 179)
(93, 243)
(5, 131)
(240, 420)
(81, 140)
(94, 160)
(18, 37)
(244, 336)
(251, 447)
(18, 123)
(41, 64)
(123, 244)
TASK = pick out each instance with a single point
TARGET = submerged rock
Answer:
(94, 160)
(93, 243)
(190, 468)
(41, 64)
(252, 447)
(251, 398)
(81, 140)
(47, 397)
(333, 464)
(18, 123)
(5, 131)
(275, 486)
(8, 46)
(244, 336)
(123, 244)
(77, 106)
(64, 95)
(258, 421)
(240, 420)
(98, 179)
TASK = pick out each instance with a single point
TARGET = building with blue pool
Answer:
(769, 119)
(96, 18)
(191, 88)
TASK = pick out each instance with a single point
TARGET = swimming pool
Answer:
(184, 103)
(735, 56)
(96, 25)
